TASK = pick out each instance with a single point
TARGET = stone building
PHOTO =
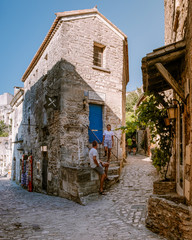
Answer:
(17, 133)
(5, 162)
(5, 107)
(5, 142)
(74, 86)
(169, 67)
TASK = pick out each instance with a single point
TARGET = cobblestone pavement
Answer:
(120, 215)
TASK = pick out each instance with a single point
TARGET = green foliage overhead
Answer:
(132, 99)
(130, 128)
(131, 121)
(151, 114)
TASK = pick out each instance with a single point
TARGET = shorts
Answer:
(108, 143)
(134, 145)
(99, 169)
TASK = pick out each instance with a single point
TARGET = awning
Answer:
(162, 69)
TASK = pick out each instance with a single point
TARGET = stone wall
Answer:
(17, 134)
(4, 156)
(65, 71)
(187, 81)
(5, 107)
(164, 187)
(180, 12)
(175, 20)
(5, 99)
(170, 217)
(5, 148)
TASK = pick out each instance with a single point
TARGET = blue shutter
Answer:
(95, 122)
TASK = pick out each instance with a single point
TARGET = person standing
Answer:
(99, 166)
(108, 141)
(129, 144)
(134, 145)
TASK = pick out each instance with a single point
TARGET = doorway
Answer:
(179, 155)
(44, 171)
(95, 122)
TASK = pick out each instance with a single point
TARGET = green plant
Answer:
(151, 114)
(132, 99)
(160, 160)
(3, 129)
(130, 128)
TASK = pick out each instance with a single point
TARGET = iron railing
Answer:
(100, 145)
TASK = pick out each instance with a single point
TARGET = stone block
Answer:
(163, 187)
(187, 189)
(169, 216)
(83, 176)
(94, 175)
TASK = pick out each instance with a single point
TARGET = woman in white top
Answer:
(108, 141)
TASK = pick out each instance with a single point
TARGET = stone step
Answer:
(112, 180)
(114, 170)
(113, 177)
(114, 164)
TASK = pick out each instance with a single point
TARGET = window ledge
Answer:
(101, 69)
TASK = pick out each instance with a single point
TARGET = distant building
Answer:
(74, 86)
(17, 133)
(5, 107)
(5, 146)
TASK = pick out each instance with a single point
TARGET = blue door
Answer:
(95, 123)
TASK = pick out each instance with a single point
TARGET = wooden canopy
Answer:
(162, 69)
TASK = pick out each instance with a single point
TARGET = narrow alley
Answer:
(120, 215)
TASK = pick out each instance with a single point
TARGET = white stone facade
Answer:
(5, 147)
(17, 134)
(5, 107)
(64, 69)
(5, 163)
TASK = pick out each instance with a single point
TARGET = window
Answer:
(98, 55)
(29, 130)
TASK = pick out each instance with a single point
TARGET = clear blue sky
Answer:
(25, 23)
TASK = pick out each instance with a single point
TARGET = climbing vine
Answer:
(151, 113)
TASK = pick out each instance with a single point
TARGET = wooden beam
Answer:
(166, 58)
(145, 75)
(172, 82)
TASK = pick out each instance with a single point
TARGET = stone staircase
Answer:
(114, 167)
(113, 176)
(113, 171)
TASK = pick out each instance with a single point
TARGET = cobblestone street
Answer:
(118, 215)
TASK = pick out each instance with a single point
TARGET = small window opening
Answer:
(98, 55)
(29, 125)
